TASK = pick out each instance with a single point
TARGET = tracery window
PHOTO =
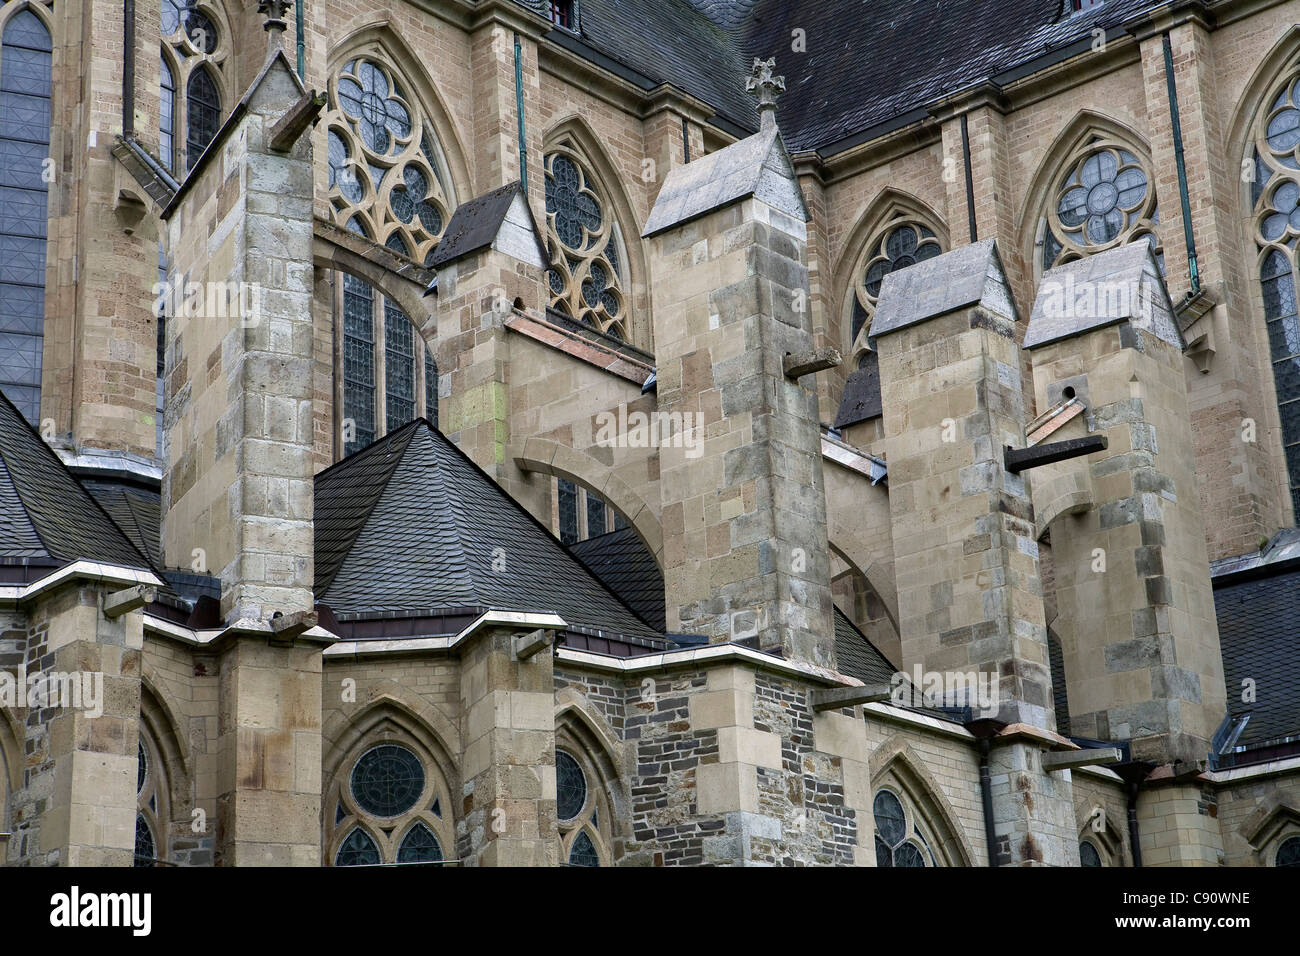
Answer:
(379, 342)
(898, 245)
(582, 812)
(1275, 194)
(899, 841)
(388, 806)
(150, 810)
(196, 45)
(387, 171)
(1288, 854)
(25, 63)
(1104, 199)
(585, 245)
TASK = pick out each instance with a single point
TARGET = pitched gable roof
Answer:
(411, 526)
(46, 516)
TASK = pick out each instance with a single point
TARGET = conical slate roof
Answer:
(411, 526)
(47, 518)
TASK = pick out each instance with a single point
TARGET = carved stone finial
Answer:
(274, 11)
(766, 87)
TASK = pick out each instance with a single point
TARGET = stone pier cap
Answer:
(967, 276)
(1119, 286)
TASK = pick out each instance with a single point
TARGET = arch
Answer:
(11, 776)
(159, 716)
(897, 760)
(543, 456)
(580, 732)
(889, 206)
(388, 700)
(1107, 838)
(407, 292)
(573, 708)
(379, 36)
(1075, 134)
(640, 329)
(1284, 55)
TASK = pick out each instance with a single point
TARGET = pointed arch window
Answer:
(1275, 194)
(584, 242)
(1105, 198)
(387, 170)
(386, 806)
(150, 803)
(196, 46)
(380, 346)
(898, 244)
(581, 811)
(25, 77)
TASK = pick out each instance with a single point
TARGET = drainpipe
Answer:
(302, 45)
(519, 109)
(984, 730)
(1193, 270)
(1134, 837)
(128, 68)
(970, 182)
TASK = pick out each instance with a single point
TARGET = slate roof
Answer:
(868, 64)
(861, 400)
(136, 512)
(624, 563)
(46, 516)
(1259, 636)
(857, 656)
(410, 526)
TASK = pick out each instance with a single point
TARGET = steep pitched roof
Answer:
(624, 563)
(135, 511)
(500, 218)
(866, 64)
(857, 656)
(1259, 638)
(411, 526)
(46, 516)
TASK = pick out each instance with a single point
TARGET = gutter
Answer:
(85, 570)
(519, 114)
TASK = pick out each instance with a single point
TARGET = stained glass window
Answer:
(570, 786)
(203, 114)
(892, 846)
(141, 769)
(384, 160)
(419, 846)
(1104, 199)
(1276, 192)
(357, 849)
(898, 245)
(430, 389)
(358, 363)
(145, 850)
(585, 276)
(595, 516)
(387, 780)
(568, 499)
(25, 61)
(1288, 854)
(399, 366)
(583, 852)
(1088, 855)
(167, 118)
